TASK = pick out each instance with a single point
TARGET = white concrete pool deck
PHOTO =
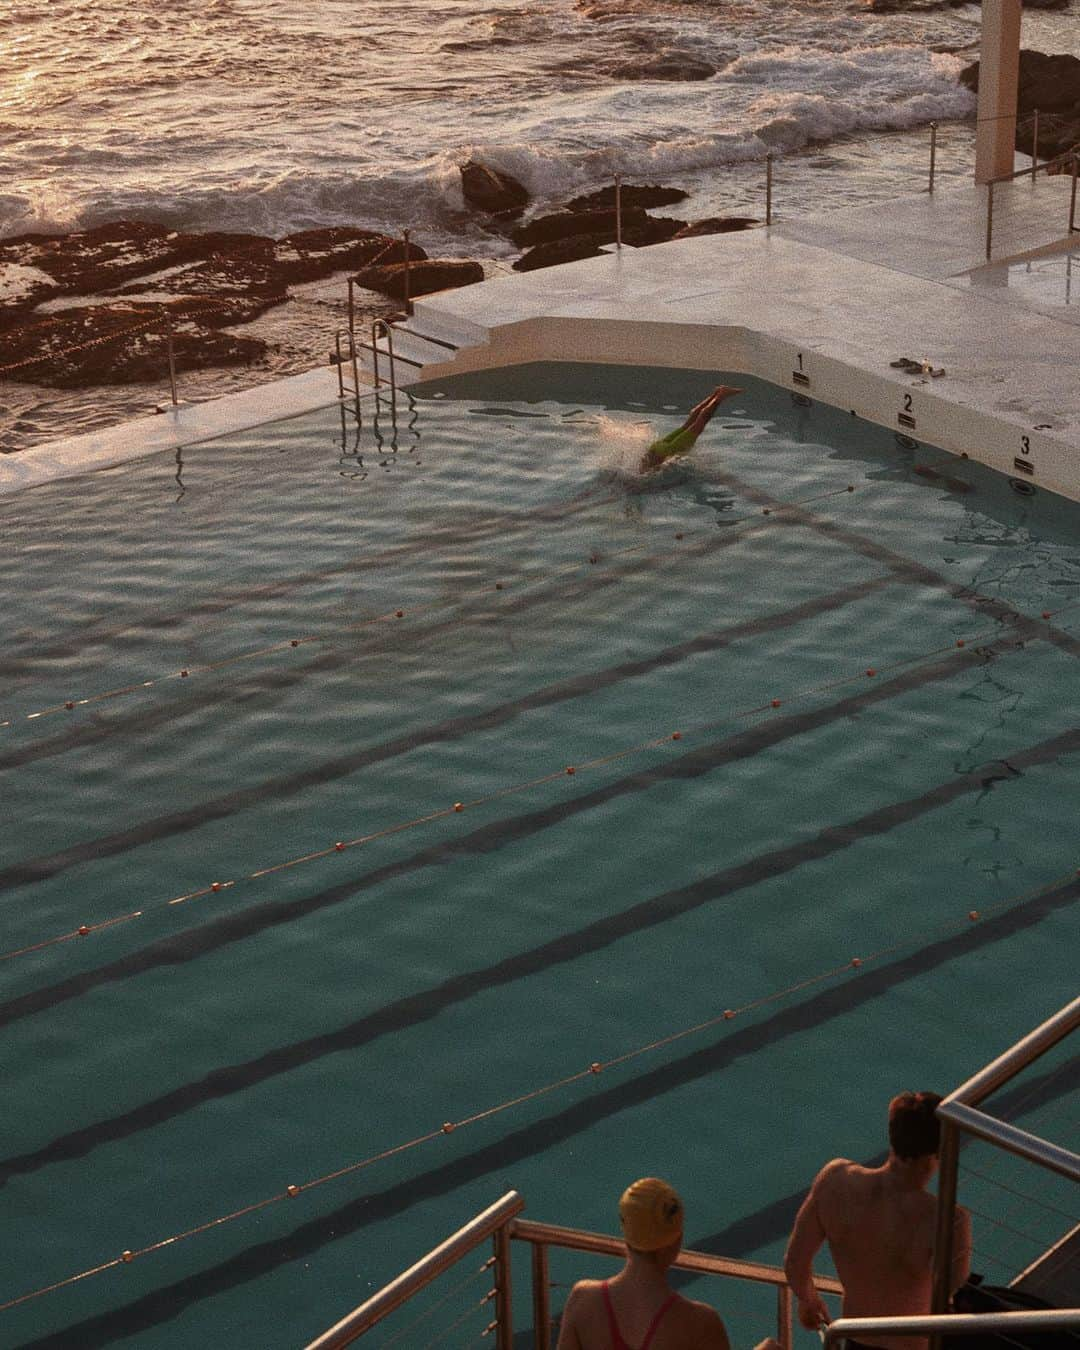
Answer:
(820, 305)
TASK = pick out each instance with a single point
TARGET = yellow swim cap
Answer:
(651, 1214)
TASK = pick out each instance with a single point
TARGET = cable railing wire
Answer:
(596, 1068)
(1012, 1190)
(399, 1336)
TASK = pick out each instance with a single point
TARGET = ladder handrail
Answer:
(952, 1324)
(388, 333)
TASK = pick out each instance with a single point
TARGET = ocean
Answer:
(277, 115)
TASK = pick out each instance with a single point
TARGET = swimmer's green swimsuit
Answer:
(674, 443)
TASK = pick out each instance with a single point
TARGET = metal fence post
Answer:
(989, 215)
(1072, 198)
(618, 212)
(541, 1293)
(408, 301)
(1035, 146)
(504, 1315)
(768, 188)
(933, 153)
(352, 307)
(948, 1166)
(172, 352)
(783, 1316)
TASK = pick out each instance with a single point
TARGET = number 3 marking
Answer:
(1025, 445)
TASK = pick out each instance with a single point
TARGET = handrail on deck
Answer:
(489, 1223)
(959, 1111)
(1067, 157)
(545, 1235)
(952, 1324)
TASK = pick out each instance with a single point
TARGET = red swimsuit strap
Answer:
(617, 1342)
(654, 1324)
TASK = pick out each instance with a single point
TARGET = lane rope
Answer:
(595, 1069)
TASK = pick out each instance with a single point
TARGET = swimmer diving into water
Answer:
(679, 441)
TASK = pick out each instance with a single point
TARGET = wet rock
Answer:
(144, 273)
(1051, 84)
(639, 233)
(716, 225)
(122, 344)
(567, 224)
(632, 194)
(424, 277)
(490, 190)
(670, 65)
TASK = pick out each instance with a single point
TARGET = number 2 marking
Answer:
(907, 402)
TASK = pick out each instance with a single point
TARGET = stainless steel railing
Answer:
(952, 1324)
(959, 1112)
(490, 1223)
(1059, 161)
(499, 1222)
(542, 1236)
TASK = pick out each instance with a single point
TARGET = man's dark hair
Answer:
(914, 1129)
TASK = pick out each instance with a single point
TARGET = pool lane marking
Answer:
(1068, 885)
(409, 1010)
(398, 612)
(493, 525)
(31, 870)
(902, 567)
(978, 652)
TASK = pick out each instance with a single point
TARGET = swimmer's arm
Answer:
(807, 1236)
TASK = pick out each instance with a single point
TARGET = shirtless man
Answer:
(680, 440)
(637, 1310)
(879, 1223)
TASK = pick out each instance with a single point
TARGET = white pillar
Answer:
(999, 65)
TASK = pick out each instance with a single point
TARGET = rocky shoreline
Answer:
(96, 308)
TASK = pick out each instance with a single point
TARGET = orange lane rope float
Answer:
(594, 1069)
(512, 789)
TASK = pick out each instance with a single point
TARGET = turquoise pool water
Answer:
(191, 1059)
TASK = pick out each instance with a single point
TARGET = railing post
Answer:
(1072, 198)
(172, 352)
(948, 1167)
(768, 188)
(1035, 145)
(408, 301)
(504, 1317)
(933, 154)
(541, 1294)
(352, 308)
(989, 216)
(783, 1316)
(618, 212)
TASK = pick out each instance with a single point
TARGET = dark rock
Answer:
(1051, 84)
(672, 65)
(716, 225)
(643, 231)
(644, 195)
(653, 230)
(492, 191)
(571, 249)
(567, 224)
(424, 277)
(120, 344)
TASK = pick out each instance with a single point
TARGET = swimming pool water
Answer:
(556, 611)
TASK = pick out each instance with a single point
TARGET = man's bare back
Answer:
(879, 1223)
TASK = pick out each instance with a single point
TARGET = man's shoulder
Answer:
(837, 1172)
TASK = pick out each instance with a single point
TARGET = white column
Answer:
(999, 65)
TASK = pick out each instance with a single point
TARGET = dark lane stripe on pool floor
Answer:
(904, 569)
(543, 1135)
(452, 729)
(495, 525)
(260, 917)
(421, 1007)
(259, 692)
